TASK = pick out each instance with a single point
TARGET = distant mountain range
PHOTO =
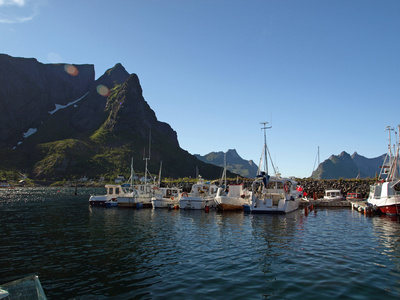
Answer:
(234, 163)
(346, 166)
(58, 122)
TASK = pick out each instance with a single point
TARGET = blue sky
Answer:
(323, 73)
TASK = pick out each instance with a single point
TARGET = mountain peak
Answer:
(232, 152)
(113, 76)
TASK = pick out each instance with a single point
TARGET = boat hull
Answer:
(391, 210)
(100, 200)
(227, 206)
(262, 206)
(384, 199)
(196, 203)
(230, 203)
(129, 202)
(164, 203)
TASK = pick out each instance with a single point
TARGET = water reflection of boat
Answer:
(273, 194)
(384, 194)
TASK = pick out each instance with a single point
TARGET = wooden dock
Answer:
(359, 205)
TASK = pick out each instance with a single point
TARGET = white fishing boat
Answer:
(166, 197)
(202, 195)
(273, 194)
(384, 195)
(144, 191)
(234, 199)
(113, 191)
(333, 195)
(124, 195)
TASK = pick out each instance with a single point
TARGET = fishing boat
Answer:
(234, 199)
(166, 197)
(384, 195)
(113, 191)
(231, 197)
(201, 196)
(144, 191)
(272, 194)
(124, 195)
(333, 195)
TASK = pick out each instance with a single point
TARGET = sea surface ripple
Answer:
(82, 252)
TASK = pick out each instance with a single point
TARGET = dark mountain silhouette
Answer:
(94, 131)
(346, 166)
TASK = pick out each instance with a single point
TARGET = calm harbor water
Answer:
(82, 252)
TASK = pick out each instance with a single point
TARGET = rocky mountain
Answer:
(30, 90)
(234, 163)
(346, 166)
(93, 129)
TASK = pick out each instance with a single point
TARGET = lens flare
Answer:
(71, 70)
(103, 90)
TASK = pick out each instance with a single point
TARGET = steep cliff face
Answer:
(29, 90)
(95, 129)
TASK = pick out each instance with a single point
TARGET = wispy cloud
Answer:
(12, 2)
(18, 11)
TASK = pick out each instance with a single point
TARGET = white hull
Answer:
(164, 203)
(196, 203)
(129, 202)
(100, 199)
(234, 200)
(266, 206)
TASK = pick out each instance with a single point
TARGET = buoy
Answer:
(207, 208)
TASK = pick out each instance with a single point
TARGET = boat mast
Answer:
(159, 175)
(265, 150)
(146, 159)
(393, 171)
(317, 157)
(131, 178)
(224, 173)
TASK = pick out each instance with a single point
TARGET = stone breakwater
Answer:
(318, 187)
(344, 185)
